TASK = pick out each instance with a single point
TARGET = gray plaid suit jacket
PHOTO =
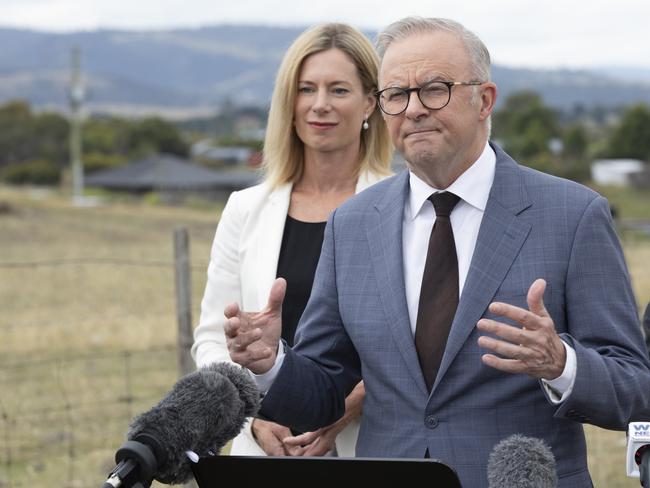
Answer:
(356, 326)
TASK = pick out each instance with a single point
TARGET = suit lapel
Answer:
(272, 218)
(500, 238)
(384, 231)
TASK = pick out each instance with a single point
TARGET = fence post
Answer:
(184, 306)
(183, 300)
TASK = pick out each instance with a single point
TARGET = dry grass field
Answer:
(88, 331)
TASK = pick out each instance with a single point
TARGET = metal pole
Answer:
(76, 102)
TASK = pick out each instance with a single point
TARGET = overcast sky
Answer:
(569, 33)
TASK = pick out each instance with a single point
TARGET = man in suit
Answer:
(543, 334)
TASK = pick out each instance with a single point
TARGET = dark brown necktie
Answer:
(439, 291)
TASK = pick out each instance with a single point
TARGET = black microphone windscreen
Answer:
(203, 411)
(521, 462)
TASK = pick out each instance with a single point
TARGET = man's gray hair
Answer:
(479, 54)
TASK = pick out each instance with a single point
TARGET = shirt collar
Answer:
(473, 186)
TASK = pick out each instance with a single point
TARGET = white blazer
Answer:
(243, 266)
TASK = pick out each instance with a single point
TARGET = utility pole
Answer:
(76, 98)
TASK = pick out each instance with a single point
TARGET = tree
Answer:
(28, 136)
(575, 152)
(106, 135)
(631, 138)
(40, 142)
(96, 161)
(575, 141)
(37, 172)
(50, 136)
(154, 134)
(525, 126)
(15, 132)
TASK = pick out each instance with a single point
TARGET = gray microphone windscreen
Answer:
(202, 412)
(521, 462)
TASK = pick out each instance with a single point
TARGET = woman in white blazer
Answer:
(324, 142)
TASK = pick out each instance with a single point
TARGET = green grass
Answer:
(73, 299)
(631, 203)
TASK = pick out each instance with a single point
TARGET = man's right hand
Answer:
(253, 338)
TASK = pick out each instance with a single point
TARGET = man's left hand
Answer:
(534, 349)
(316, 443)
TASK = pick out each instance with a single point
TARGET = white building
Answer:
(615, 171)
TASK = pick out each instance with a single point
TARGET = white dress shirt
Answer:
(473, 188)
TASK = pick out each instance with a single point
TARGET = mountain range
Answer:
(194, 70)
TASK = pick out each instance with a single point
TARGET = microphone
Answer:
(638, 452)
(521, 462)
(203, 410)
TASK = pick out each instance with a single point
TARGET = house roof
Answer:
(168, 172)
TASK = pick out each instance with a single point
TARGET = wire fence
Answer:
(79, 358)
(59, 416)
(93, 261)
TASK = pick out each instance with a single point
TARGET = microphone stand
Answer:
(644, 468)
(136, 464)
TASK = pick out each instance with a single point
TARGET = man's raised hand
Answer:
(253, 338)
(532, 348)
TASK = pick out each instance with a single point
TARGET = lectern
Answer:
(290, 472)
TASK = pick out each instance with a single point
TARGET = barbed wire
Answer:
(33, 434)
(94, 356)
(95, 261)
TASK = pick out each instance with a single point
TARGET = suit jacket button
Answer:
(431, 422)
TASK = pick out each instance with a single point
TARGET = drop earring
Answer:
(365, 124)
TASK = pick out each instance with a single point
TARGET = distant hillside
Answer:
(637, 73)
(197, 69)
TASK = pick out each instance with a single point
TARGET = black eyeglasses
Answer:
(433, 95)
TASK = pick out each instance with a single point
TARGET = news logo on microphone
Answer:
(638, 442)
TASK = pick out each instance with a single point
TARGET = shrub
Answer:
(36, 172)
(96, 161)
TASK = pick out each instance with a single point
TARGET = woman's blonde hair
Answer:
(283, 149)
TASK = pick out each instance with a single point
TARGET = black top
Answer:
(301, 246)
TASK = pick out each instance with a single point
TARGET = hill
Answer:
(197, 69)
